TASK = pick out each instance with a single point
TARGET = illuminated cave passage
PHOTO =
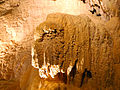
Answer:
(59, 44)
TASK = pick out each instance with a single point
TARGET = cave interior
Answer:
(60, 44)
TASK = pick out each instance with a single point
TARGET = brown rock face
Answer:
(66, 37)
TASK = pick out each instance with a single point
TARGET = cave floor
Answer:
(9, 85)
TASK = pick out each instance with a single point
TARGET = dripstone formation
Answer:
(66, 38)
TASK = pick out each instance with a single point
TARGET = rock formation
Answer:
(78, 37)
